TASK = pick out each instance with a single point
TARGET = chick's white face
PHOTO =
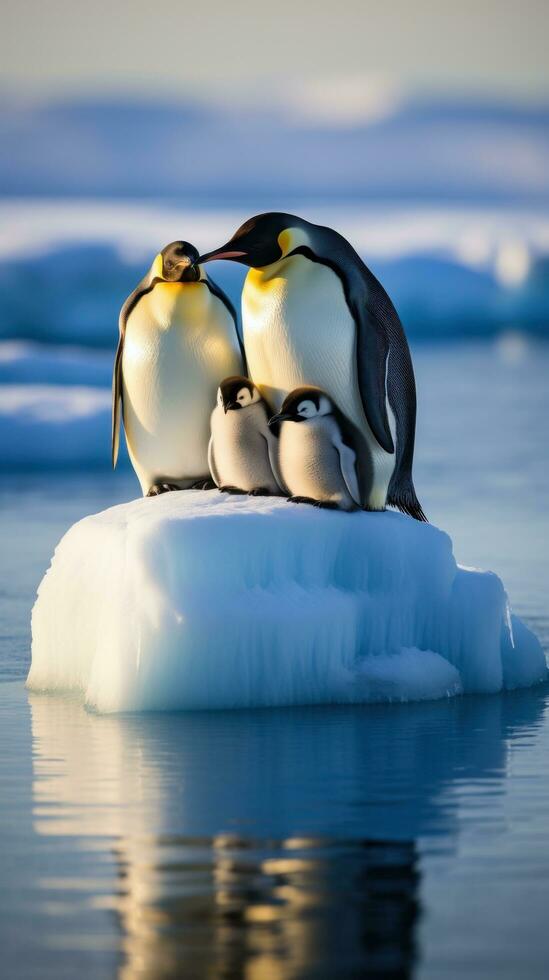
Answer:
(246, 397)
(231, 396)
(308, 410)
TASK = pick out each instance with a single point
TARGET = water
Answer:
(308, 842)
(386, 841)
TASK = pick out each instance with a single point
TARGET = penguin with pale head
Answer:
(178, 337)
(314, 314)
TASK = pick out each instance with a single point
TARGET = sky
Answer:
(319, 53)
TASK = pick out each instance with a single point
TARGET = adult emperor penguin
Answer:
(243, 450)
(316, 455)
(178, 339)
(314, 314)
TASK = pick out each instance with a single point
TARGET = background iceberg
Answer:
(51, 426)
(25, 362)
(196, 600)
(472, 273)
(422, 148)
(467, 271)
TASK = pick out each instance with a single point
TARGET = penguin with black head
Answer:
(178, 337)
(317, 451)
(314, 314)
(243, 450)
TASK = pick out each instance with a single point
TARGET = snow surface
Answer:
(200, 600)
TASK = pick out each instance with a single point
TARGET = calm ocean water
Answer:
(384, 841)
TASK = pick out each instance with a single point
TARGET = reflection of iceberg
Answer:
(265, 773)
(226, 848)
(198, 601)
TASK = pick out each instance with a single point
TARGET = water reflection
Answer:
(231, 907)
(272, 843)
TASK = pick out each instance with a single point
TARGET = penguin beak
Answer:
(225, 252)
(230, 405)
(281, 417)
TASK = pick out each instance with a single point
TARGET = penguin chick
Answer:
(242, 454)
(316, 453)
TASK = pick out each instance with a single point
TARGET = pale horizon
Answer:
(359, 54)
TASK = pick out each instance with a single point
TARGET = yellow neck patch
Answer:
(157, 268)
(291, 238)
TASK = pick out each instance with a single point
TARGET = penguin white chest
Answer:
(298, 330)
(310, 463)
(180, 343)
(239, 449)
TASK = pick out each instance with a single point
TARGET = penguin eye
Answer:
(243, 396)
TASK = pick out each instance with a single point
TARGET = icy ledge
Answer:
(200, 600)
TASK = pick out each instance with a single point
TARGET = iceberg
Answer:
(54, 426)
(415, 148)
(200, 600)
(26, 362)
(451, 271)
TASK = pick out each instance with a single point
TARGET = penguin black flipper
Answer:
(116, 400)
(401, 392)
(372, 354)
(401, 395)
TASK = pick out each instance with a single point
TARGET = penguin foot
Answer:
(302, 500)
(158, 488)
(258, 492)
(231, 490)
(203, 484)
(326, 504)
